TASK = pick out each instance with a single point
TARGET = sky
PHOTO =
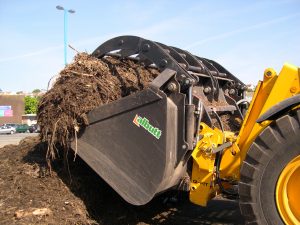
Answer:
(245, 37)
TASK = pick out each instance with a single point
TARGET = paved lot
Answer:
(6, 139)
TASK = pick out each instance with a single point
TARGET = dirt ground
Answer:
(29, 195)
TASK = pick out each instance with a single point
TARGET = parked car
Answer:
(22, 128)
(14, 125)
(34, 128)
(7, 130)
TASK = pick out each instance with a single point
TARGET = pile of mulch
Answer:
(30, 195)
(82, 86)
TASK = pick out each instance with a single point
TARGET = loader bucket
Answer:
(131, 144)
(140, 144)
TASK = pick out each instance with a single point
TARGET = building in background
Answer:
(11, 108)
(29, 119)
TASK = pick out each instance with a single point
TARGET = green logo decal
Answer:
(144, 122)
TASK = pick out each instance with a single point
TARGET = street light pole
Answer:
(65, 35)
(66, 11)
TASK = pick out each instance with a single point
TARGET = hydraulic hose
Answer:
(218, 162)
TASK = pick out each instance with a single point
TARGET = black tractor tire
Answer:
(268, 155)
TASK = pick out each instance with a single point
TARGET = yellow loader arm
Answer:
(210, 177)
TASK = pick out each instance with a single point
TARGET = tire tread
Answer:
(258, 156)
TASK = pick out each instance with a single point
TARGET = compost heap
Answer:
(81, 86)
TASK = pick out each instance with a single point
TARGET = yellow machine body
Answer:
(272, 90)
